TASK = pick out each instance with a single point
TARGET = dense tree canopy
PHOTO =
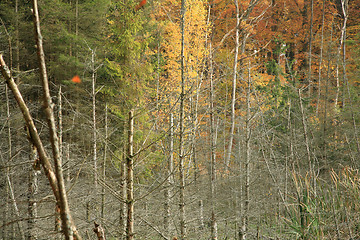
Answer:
(245, 126)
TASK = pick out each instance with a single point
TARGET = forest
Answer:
(179, 119)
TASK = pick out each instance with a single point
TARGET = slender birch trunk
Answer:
(214, 234)
(247, 158)
(9, 139)
(341, 44)
(239, 203)
(321, 58)
(9, 188)
(181, 133)
(68, 167)
(57, 207)
(60, 124)
(326, 101)
(76, 26)
(306, 136)
(290, 158)
(16, 209)
(93, 95)
(233, 95)
(310, 48)
(123, 191)
(7, 170)
(193, 117)
(17, 43)
(32, 189)
(344, 5)
(170, 180)
(102, 214)
(130, 180)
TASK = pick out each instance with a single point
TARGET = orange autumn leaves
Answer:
(76, 79)
(140, 5)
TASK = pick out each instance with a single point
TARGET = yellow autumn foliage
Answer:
(196, 31)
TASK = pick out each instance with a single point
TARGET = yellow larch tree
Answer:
(196, 32)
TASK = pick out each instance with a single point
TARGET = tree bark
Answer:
(321, 59)
(310, 48)
(341, 43)
(234, 80)
(32, 189)
(16, 209)
(99, 231)
(214, 234)
(57, 207)
(123, 191)
(170, 180)
(35, 138)
(17, 43)
(67, 226)
(344, 6)
(102, 214)
(130, 180)
(306, 136)
(7, 171)
(324, 147)
(247, 157)
(181, 133)
(93, 95)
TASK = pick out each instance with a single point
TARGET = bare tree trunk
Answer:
(233, 95)
(17, 43)
(68, 167)
(68, 227)
(310, 47)
(123, 189)
(326, 101)
(193, 117)
(104, 163)
(239, 203)
(170, 180)
(344, 6)
(76, 25)
(93, 95)
(99, 231)
(60, 123)
(32, 206)
(57, 221)
(130, 180)
(290, 158)
(201, 213)
(70, 29)
(214, 234)
(7, 170)
(35, 138)
(247, 157)
(321, 59)
(342, 42)
(57, 207)
(181, 133)
(9, 188)
(16, 209)
(306, 137)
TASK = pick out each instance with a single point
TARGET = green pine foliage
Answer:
(129, 60)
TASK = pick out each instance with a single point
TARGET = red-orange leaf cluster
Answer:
(140, 5)
(76, 79)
